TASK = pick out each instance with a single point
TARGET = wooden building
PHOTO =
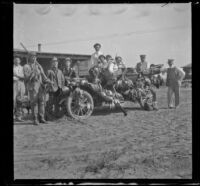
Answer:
(79, 61)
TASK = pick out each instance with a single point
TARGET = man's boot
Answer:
(118, 105)
(41, 113)
(155, 106)
(34, 114)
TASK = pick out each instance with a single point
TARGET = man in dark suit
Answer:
(57, 77)
(68, 71)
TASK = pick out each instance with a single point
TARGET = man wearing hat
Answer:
(175, 76)
(19, 87)
(111, 75)
(108, 57)
(143, 65)
(95, 55)
(36, 78)
(58, 81)
(121, 66)
(67, 70)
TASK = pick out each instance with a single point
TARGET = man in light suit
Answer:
(35, 80)
(174, 78)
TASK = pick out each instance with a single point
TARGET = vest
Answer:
(171, 76)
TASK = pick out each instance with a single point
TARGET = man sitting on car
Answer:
(143, 68)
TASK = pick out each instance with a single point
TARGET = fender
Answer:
(62, 100)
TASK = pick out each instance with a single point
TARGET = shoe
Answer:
(36, 122)
(43, 121)
(155, 107)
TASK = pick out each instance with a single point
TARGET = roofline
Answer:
(51, 53)
(187, 66)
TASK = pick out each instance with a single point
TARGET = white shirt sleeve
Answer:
(18, 71)
(111, 68)
(181, 73)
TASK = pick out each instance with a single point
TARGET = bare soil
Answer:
(155, 144)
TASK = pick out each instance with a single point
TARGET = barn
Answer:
(79, 61)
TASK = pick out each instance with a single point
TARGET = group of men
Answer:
(175, 75)
(31, 77)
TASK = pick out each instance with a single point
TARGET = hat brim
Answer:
(97, 45)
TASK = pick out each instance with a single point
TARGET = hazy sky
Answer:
(128, 30)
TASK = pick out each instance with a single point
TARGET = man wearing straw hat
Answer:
(36, 78)
(95, 56)
(175, 76)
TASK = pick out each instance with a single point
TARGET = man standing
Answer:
(35, 78)
(95, 55)
(174, 79)
(19, 88)
(58, 81)
(68, 71)
(143, 67)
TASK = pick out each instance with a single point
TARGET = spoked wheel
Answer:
(80, 106)
(52, 113)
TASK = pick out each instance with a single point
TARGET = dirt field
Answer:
(156, 144)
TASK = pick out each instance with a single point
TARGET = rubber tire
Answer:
(69, 110)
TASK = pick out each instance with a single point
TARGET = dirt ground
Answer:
(155, 144)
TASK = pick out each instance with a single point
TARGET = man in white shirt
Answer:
(19, 88)
(121, 66)
(95, 56)
(111, 74)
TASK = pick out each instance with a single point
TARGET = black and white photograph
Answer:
(102, 91)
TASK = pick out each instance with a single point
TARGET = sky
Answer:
(161, 31)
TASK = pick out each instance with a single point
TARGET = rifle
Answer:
(42, 72)
(40, 67)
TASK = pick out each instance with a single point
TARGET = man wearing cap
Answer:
(121, 66)
(19, 87)
(111, 75)
(95, 55)
(36, 78)
(108, 57)
(58, 81)
(143, 67)
(175, 76)
(68, 71)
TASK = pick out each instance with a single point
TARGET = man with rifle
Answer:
(36, 79)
